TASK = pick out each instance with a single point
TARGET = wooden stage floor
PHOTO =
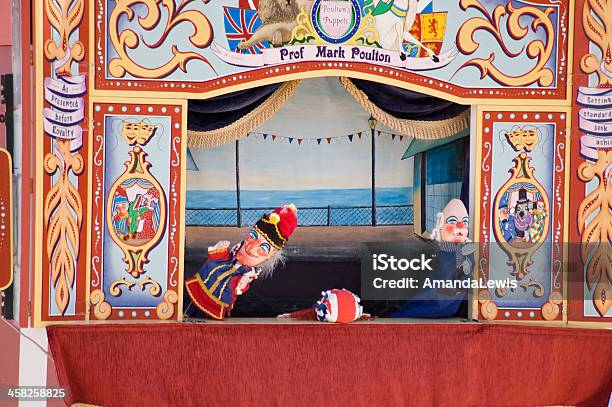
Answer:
(289, 321)
(326, 241)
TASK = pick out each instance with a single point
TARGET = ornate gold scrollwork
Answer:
(538, 287)
(122, 40)
(600, 34)
(65, 20)
(491, 23)
(165, 309)
(594, 213)
(114, 289)
(136, 221)
(595, 227)
(154, 290)
(63, 216)
(102, 309)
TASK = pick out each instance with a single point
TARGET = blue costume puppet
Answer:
(455, 254)
(228, 272)
(506, 220)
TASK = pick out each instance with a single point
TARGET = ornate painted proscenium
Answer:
(467, 49)
(111, 88)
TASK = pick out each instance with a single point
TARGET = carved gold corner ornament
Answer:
(154, 290)
(597, 24)
(550, 310)
(102, 309)
(488, 309)
(165, 309)
(514, 17)
(65, 20)
(304, 31)
(126, 39)
(538, 287)
(595, 227)
(63, 214)
(136, 211)
(522, 247)
(137, 133)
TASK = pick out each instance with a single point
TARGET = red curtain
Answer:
(326, 364)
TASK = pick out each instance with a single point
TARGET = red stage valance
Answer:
(324, 364)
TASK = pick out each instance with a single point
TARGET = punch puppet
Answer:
(228, 272)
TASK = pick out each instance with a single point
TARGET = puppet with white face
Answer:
(455, 259)
(452, 223)
(452, 227)
(228, 272)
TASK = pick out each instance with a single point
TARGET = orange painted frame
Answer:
(577, 194)
(487, 116)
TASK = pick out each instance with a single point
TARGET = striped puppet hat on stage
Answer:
(338, 306)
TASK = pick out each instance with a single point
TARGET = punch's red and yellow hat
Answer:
(276, 227)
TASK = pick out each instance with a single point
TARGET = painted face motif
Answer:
(254, 250)
(456, 222)
(504, 214)
(523, 139)
(523, 217)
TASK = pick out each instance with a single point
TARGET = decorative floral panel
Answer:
(590, 224)
(61, 159)
(520, 214)
(137, 211)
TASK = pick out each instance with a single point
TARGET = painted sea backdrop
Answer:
(318, 207)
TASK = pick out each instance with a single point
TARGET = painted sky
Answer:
(320, 108)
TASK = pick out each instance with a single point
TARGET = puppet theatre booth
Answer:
(166, 172)
(348, 186)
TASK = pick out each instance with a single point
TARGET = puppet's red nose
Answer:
(460, 224)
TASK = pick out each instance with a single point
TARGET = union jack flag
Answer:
(240, 24)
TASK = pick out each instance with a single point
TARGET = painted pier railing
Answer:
(308, 216)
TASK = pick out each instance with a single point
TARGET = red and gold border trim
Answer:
(553, 309)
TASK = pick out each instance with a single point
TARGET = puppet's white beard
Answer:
(266, 269)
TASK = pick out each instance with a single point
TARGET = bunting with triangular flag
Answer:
(330, 140)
